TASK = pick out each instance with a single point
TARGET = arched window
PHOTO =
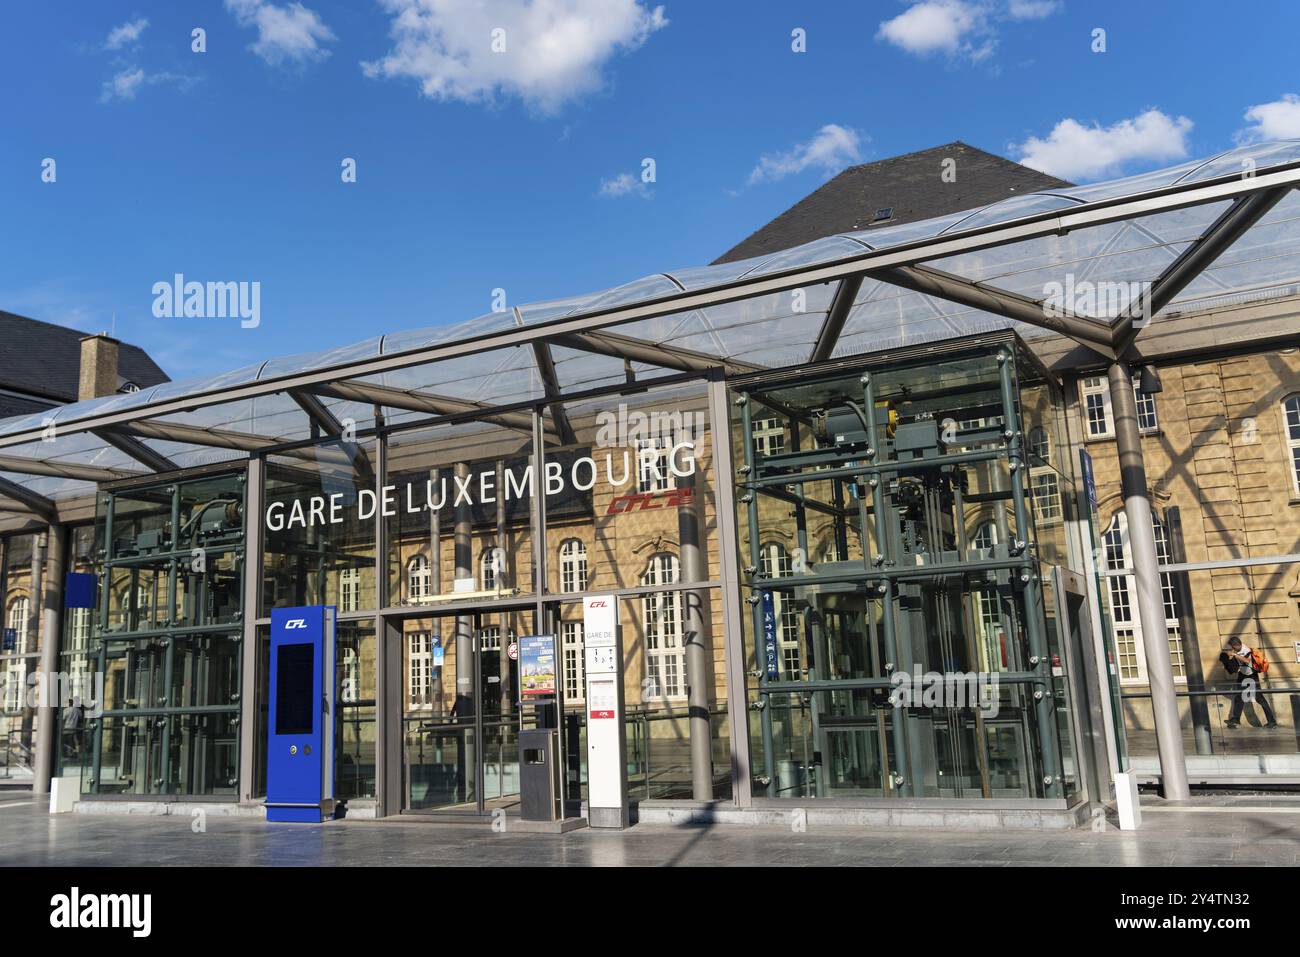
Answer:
(419, 578)
(1291, 414)
(19, 610)
(573, 566)
(1122, 596)
(774, 561)
(350, 589)
(136, 612)
(662, 616)
(1044, 488)
(490, 568)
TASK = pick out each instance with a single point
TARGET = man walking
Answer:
(1249, 682)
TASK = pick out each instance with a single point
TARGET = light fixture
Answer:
(1149, 381)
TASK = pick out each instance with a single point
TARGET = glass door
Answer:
(439, 715)
(460, 712)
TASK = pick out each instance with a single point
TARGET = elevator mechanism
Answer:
(910, 656)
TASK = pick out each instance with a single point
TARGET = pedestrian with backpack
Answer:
(1250, 666)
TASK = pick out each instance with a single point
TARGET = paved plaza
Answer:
(1252, 830)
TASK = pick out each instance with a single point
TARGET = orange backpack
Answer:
(1259, 661)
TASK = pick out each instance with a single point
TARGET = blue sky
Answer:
(521, 169)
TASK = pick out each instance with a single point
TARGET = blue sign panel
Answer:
(769, 633)
(438, 651)
(79, 590)
(300, 726)
(1089, 482)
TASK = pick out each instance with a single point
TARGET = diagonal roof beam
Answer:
(328, 424)
(70, 470)
(943, 285)
(33, 502)
(845, 293)
(320, 416)
(1195, 259)
(652, 353)
(421, 402)
(551, 384)
(149, 458)
(545, 363)
(197, 435)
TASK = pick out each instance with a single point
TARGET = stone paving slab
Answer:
(1264, 834)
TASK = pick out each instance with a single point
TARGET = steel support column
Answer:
(724, 497)
(47, 710)
(251, 566)
(1146, 573)
(697, 622)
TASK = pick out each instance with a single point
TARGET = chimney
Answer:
(98, 367)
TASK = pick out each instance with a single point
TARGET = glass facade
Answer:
(897, 526)
(167, 638)
(895, 529)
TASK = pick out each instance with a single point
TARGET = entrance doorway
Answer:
(460, 712)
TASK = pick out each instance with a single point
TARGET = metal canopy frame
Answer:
(908, 266)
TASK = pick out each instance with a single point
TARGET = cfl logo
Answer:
(295, 623)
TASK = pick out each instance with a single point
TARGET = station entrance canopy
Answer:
(1094, 263)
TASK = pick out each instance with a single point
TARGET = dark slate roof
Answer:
(43, 361)
(910, 184)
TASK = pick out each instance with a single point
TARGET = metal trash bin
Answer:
(539, 775)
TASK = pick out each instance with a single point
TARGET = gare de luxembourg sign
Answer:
(654, 462)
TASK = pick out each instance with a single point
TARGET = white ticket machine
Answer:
(606, 736)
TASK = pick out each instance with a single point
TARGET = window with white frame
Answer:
(1099, 420)
(662, 617)
(573, 566)
(419, 670)
(350, 589)
(571, 648)
(1123, 607)
(774, 561)
(79, 630)
(988, 614)
(19, 610)
(490, 568)
(1044, 488)
(419, 577)
(769, 436)
(1291, 414)
(351, 675)
(652, 471)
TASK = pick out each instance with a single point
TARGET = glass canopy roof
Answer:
(1229, 224)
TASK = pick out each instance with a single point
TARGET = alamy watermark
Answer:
(945, 689)
(1097, 300)
(211, 300)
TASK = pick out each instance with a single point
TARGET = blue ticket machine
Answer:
(300, 726)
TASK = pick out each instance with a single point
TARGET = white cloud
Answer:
(624, 184)
(1279, 120)
(127, 33)
(965, 29)
(1076, 152)
(554, 50)
(291, 32)
(129, 80)
(939, 26)
(831, 149)
(1032, 9)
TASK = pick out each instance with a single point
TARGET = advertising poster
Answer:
(537, 666)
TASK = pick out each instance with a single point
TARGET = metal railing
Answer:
(1209, 731)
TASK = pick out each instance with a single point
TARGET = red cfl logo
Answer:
(641, 501)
